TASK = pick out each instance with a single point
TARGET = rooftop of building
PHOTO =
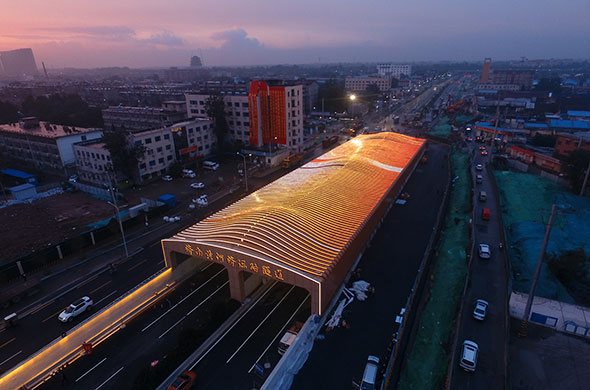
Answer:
(306, 219)
(30, 126)
(584, 136)
(583, 114)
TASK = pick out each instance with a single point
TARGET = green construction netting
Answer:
(425, 365)
(526, 204)
(442, 129)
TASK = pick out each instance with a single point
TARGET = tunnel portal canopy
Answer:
(309, 226)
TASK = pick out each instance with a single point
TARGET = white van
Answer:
(483, 196)
(210, 165)
(370, 374)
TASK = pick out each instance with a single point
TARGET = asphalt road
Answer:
(253, 339)
(115, 363)
(487, 281)
(390, 265)
(42, 326)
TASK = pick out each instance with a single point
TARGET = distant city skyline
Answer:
(143, 33)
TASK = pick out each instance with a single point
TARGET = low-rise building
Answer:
(159, 152)
(394, 70)
(568, 142)
(139, 118)
(236, 108)
(93, 162)
(361, 83)
(43, 145)
(193, 139)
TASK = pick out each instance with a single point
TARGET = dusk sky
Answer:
(145, 33)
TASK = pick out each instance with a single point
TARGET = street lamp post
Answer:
(245, 169)
(114, 204)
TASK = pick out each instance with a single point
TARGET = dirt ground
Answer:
(28, 227)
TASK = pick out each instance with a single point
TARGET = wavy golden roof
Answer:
(305, 219)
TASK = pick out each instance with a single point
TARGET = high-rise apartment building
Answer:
(20, 62)
(485, 73)
(276, 115)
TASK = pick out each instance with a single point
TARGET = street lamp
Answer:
(114, 204)
(353, 97)
(245, 169)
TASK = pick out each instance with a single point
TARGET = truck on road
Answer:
(292, 161)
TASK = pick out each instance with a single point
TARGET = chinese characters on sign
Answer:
(250, 266)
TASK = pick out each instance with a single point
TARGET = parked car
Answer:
(184, 381)
(479, 179)
(480, 309)
(210, 165)
(484, 251)
(190, 175)
(198, 185)
(479, 167)
(484, 152)
(370, 373)
(167, 178)
(469, 355)
(75, 309)
(73, 179)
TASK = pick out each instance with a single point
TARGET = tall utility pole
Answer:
(114, 204)
(585, 180)
(529, 303)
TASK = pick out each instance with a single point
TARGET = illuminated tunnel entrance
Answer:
(308, 227)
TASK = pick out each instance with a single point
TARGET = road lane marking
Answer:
(99, 287)
(54, 314)
(161, 262)
(182, 300)
(109, 378)
(259, 325)
(278, 334)
(1, 363)
(137, 265)
(8, 342)
(87, 281)
(274, 282)
(88, 372)
(195, 308)
(2, 330)
(105, 298)
(42, 307)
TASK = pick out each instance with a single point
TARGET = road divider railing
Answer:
(48, 361)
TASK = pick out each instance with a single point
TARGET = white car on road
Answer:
(201, 201)
(484, 251)
(167, 178)
(75, 309)
(198, 185)
(480, 310)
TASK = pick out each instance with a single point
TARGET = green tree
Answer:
(372, 92)
(70, 110)
(394, 82)
(549, 84)
(125, 156)
(8, 112)
(215, 107)
(333, 95)
(575, 166)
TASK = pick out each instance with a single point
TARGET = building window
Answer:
(236, 104)
(148, 140)
(166, 136)
(159, 150)
(142, 166)
(168, 147)
(161, 160)
(169, 158)
(202, 111)
(245, 105)
(152, 163)
(157, 139)
(193, 102)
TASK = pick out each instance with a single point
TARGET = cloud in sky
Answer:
(232, 32)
